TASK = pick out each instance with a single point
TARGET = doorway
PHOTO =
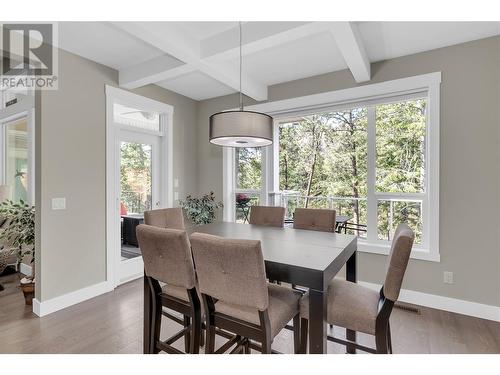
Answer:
(139, 175)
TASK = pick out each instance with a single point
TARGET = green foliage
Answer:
(325, 155)
(19, 234)
(400, 144)
(201, 210)
(249, 168)
(135, 176)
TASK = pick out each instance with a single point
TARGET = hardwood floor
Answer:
(112, 323)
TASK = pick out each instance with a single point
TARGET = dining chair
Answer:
(361, 309)
(172, 218)
(317, 219)
(267, 215)
(168, 260)
(237, 297)
(322, 220)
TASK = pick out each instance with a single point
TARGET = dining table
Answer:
(306, 258)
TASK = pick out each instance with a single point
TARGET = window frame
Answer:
(424, 86)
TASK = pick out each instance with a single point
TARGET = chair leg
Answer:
(196, 333)
(247, 347)
(350, 335)
(304, 330)
(202, 337)
(156, 308)
(296, 334)
(210, 339)
(389, 340)
(381, 340)
(187, 335)
(266, 344)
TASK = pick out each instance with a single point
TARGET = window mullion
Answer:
(371, 203)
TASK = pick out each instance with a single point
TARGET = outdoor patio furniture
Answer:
(130, 223)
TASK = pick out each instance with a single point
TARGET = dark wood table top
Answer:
(292, 255)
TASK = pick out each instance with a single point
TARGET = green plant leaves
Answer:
(201, 210)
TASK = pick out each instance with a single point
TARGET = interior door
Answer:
(139, 191)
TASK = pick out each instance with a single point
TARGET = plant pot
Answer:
(28, 288)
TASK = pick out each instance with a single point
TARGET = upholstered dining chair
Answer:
(317, 219)
(314, 219)
(168, 260)
(360, 309)
(237, 296)
(267, 215)
(172, 218)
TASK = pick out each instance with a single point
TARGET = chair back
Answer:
(267, 215)
(314, 219)
(167, 255)
(231, 270)
(398, 261)
(165, 218)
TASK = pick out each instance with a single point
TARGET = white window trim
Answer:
(116, 95)
(429, 83)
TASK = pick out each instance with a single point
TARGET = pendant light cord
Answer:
(241, 59)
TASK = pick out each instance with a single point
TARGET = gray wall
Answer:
(70, 144)
(469, 157)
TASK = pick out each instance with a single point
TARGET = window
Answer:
(400, 147)
(248, 181)
(370, 152)
(133, 117)
(323, 163)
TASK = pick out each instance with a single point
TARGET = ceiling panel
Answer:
(203, 30)
(309, 56)
(196, 85)
(103, 43)
(386, 40)
(305, 57)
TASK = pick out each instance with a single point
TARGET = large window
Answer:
(375, 160)
(323, 163)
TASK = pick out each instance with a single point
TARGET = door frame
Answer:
(25, 107)
(116, 95)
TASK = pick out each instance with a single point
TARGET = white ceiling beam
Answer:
(168, 38)
(257, 36)
(351, 46)
(152, 71)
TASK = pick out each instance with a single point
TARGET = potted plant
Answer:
(19, 237)
(201, 210)
(242, 199)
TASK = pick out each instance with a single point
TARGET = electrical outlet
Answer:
(176, 195)
(58, 203)
(176, 182)
(448, 277)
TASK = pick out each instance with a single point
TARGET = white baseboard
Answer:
(25, 269)
(58, 303)
(454, 305)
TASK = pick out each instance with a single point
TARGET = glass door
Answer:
(139, 178)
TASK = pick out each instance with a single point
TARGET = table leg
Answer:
(147, 317)
(351, 276)
(317, 321)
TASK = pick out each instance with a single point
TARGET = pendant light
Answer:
(241, 128)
